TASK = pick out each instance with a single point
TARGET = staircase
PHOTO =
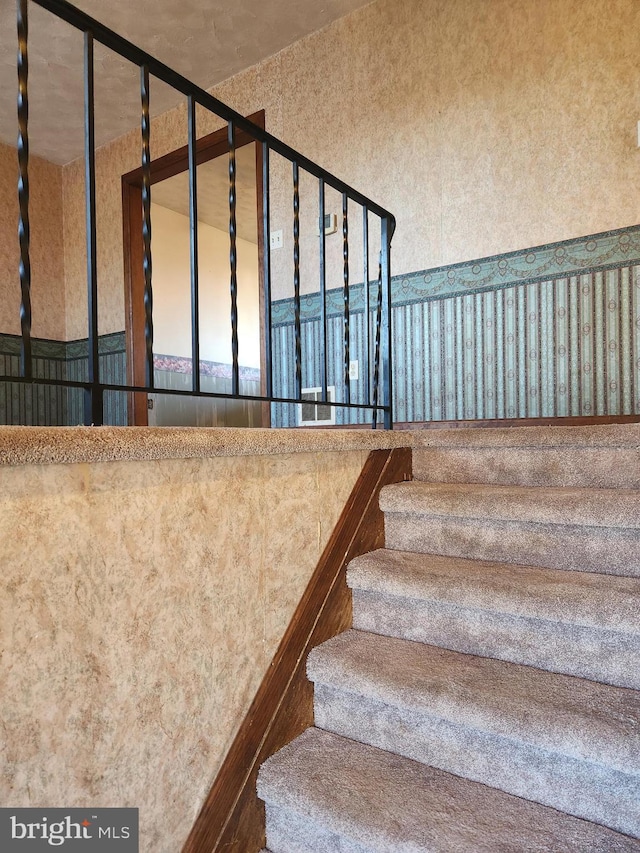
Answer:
(488, 695)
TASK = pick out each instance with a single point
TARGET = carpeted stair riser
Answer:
(611, 509)
(599, 468)
(599, 534)
(615, 552)
(507, 638)
(289, 832)
(334, 795)
(575, 623)
(583, 791)
(592, 722)
(479, 719)
(606, 456)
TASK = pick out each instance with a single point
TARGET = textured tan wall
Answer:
(484, 125)
(141, 603)
(47, 259)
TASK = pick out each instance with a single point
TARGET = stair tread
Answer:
(598, 601)
(618, 508)
(592, 722)
(593, 467)
(390, 804)
(604, 436)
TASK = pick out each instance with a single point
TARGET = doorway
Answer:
(171, 285)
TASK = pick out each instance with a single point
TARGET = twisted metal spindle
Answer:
(266, 260)
(386, 342)
(146, 223)
(193, 245)
(324, 335)
(296, 277)
(376, 357)
(233, 260)
(345, 278)
(24, 232)
(366, 382)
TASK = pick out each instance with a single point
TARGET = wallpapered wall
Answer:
(467, 119)
(47, 405)
(140, 606)
(557, 334)
(484, 126)
(552, 331)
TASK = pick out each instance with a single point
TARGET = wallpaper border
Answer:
(218, 369)
(40, 347)
(566, 258)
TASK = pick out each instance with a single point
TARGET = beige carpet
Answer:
(488, 697)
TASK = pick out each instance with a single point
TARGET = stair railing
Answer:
(377, 395)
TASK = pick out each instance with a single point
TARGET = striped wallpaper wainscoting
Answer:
(33, 405)
(113, 369)
(43, 405)
(552, 331)
(46, 405)
(287, 414)
(549, 332)
(567, 347)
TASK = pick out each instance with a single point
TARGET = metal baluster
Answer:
(193, 247)
(345, 278)
(148, 66)
(296, 277)
(94, 412)
(386, 331)
(146, 224)
(376, 357)
(233, 261)
(365, 277)
(24, 234)
(323, 291)
(266, 228)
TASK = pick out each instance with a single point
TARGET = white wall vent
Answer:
(313, 412)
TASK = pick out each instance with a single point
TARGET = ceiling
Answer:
(213, 193)
(205, 40)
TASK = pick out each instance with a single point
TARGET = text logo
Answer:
(72, 830)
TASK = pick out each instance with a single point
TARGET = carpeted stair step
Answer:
(565, 742)
(589, 530)
(604, 457)
(576, 623)
(331, 794)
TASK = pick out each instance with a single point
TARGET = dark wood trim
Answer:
(522, 422)
(208, 147)
(137, 412)
(232, 818)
